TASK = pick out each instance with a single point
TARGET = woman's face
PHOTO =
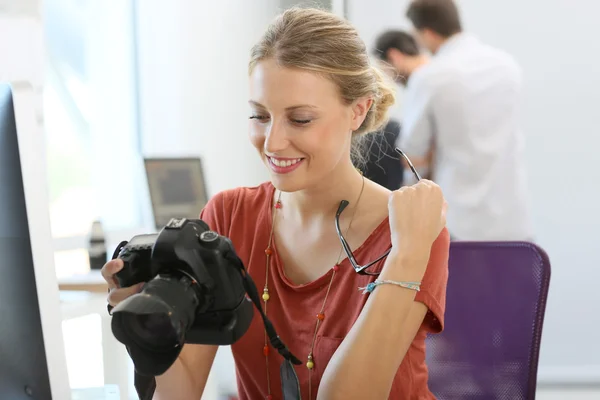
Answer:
(300, 125)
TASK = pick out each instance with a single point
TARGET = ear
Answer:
(360, 108)
(394, 56)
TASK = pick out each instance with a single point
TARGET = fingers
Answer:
(109, 270)
(423, 186)
(430, 186)
(427, 183)
(115, 296)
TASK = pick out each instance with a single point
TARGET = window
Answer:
(90, 108)
(71, 192)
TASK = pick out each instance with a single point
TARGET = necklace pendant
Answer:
(278, 204)
(310, 364)
(265, 295)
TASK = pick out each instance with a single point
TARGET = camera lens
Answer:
(151, 331)
(155, 321)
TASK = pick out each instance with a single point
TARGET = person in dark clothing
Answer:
(383, 164)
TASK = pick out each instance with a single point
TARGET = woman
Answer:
(312, 93)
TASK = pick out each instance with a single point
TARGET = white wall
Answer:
(555, 43)
(193, 59)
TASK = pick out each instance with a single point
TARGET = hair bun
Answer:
(384, 98)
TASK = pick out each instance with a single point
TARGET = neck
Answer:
(322, 200)
(443, 40)
(417, 62)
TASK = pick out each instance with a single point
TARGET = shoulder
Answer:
(511, 66)
(492, 58)
(226, 206)
(431, 78)
(423, 77)
(243, 195)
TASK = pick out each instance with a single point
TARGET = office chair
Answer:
(496, 300)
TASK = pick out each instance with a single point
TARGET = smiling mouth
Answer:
(284, 162)
(284, 165)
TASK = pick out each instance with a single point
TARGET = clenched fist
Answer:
(417, 216)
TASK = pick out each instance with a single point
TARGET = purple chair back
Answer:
(495, 306)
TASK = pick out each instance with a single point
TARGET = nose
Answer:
(276, 138)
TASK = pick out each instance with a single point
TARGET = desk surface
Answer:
(90, 282)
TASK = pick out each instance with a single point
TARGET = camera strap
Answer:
(290, 385)
(250, 287)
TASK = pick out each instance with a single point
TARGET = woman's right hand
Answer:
(117, 294)
(417, 217)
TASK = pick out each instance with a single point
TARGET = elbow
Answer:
(340, 389)
(333, 387)
(328, 391)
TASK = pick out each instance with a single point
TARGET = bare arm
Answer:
(375, 346)
(365, 364)
(187, 377)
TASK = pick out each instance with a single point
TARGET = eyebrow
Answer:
(257, 104)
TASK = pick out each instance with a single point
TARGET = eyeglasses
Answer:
(362, 269)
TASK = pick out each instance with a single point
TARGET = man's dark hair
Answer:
(439, 16)
(399, 40)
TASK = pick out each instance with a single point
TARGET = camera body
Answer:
(195, 292)
(194, 279)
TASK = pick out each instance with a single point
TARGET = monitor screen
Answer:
(24, 372)
(177, 188)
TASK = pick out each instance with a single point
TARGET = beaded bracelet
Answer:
(407, 285)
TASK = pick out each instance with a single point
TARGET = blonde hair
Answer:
(321, 42)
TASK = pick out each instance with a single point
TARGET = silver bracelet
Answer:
(416, 286)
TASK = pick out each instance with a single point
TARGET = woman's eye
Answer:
(301, 121)
(259, 117)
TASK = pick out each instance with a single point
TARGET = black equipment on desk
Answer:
(97, 246)
(195, 293)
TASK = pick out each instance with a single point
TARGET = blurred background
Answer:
(120, 81)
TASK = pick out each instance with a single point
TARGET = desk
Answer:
(90, 282)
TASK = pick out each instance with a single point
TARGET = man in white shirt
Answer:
(463, 107)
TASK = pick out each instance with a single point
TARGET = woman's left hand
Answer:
(417, 216)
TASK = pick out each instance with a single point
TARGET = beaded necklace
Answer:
(310, 363)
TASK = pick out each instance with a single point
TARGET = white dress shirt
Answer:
(465, 105)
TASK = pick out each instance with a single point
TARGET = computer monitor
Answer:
(32, 357)
(176, 187)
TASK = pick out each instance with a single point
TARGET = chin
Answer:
(287, 184)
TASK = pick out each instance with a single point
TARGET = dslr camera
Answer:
(195, 292)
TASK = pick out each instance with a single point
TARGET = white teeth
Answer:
(284, 163)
